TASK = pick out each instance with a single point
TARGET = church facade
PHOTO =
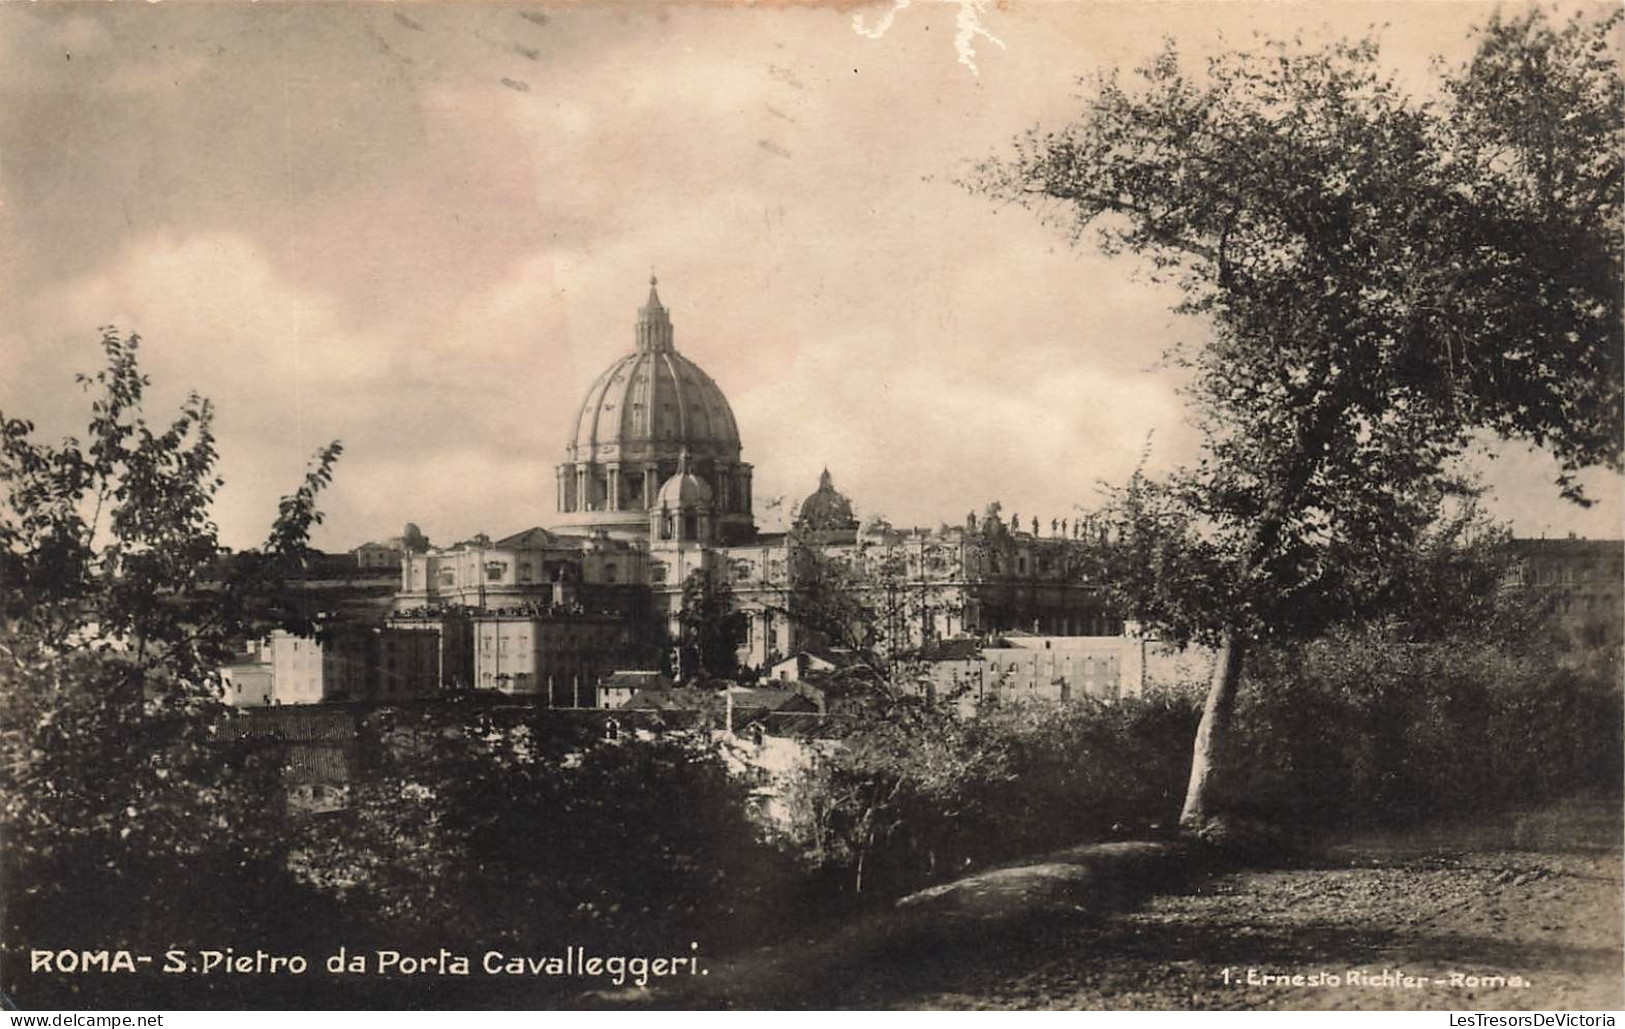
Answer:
(653, 488)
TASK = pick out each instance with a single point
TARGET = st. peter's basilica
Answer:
(653, 487)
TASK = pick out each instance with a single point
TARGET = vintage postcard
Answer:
(932, 504)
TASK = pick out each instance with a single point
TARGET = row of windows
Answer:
(1547, 574)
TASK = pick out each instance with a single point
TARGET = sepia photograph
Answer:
(920, 505)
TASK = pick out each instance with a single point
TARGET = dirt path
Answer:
(1525, 914)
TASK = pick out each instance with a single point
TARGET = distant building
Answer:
(1585, 583)
(559, 655)
(377, 555)
(353, 664)
(528, 569)
(734, 707)
(405, 663)
(813, 664)
(387, 555)
(249, 684)
(622, 686)
(308, 671)
(1017, 668)
(453, 633)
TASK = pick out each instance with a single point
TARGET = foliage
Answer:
(1370, 726)
(875, 601)
(527, 836)
(128, 819)
(1384, 278)
(1419, 715)
(928, 793)
(712, 629)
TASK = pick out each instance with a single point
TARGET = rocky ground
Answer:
(1520, 912)
(1524, 913)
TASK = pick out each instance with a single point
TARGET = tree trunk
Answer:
(1214, 730)
(1320, 426)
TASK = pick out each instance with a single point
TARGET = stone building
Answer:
(387, 555)
(382, 663)
(249, 684)
(654, 488)
(557, 656)
(377, 555)
(1018, 667)
(1584, 582)
(533, 567)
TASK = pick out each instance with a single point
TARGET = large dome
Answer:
(652, 400)
(646, 409)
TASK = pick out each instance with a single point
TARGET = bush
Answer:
(1363, 728)
(1359, 728)
(903, 802)
(522, 838)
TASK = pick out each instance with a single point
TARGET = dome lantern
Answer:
(654, 322)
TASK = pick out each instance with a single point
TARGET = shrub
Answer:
(515, 838)
(1365, 728)
(902, 802)
(1362, 727)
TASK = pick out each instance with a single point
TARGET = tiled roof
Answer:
(294, 722)
(317, 762)
(638, 680)
(952, 650)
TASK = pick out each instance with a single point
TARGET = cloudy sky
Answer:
(424, 228)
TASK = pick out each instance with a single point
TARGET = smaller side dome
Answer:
(826, 510)
(413, 540)
(685, 489)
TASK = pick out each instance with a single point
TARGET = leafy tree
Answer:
(839, 599)
(712, 628)
(1385, 278)
(127, 818)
